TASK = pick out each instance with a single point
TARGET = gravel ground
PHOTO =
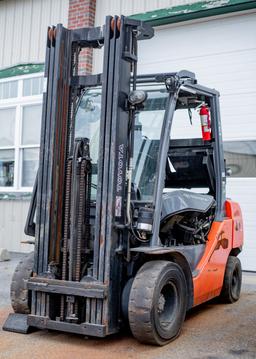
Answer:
(210, 331)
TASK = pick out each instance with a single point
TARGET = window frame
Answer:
(19, 103)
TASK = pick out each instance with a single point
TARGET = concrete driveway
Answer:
(211, 331)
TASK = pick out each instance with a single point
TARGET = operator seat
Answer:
(190, 165)
(185, 201)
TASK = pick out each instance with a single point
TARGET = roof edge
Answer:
(194, 11)
(22, 69)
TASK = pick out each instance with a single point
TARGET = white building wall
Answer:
(23, 26)
(127, 8)
(222, 54)
(130, 7)
(13, 216)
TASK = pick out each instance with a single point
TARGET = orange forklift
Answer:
(132, 225)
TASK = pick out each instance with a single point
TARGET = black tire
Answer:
(231, 289)
(125, 299)
(20, 298)
(158, 302)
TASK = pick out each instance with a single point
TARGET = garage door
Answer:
(222, 53)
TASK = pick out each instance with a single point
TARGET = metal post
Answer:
(161, 165)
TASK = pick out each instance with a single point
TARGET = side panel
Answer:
(234, 212)
(211, 268)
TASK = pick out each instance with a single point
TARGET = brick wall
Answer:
(82, 14)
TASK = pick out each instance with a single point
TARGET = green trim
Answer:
(20, 70)
(194, 11)
(16, 196)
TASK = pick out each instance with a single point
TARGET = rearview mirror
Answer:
(228, 171)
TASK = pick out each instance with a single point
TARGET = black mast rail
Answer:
(62, 190)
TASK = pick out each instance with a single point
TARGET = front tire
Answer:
(231, 289)
(20, 298)
(158, 302)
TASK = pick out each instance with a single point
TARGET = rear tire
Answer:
(20, 298)
(158, 302)
(231, 289)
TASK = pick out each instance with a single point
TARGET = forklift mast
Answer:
(63, 207)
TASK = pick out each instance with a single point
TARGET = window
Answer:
(186, 124)
(6, 168)
(31, 121)
(8, 89)
(241, 158)
(148, 128)
(29, 166)
(20, 123)
(33, 86)
(7, 124)
(30, 139)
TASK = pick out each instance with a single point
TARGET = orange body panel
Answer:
(222, 238)
(233, 211)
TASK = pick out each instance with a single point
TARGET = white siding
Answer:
(13, 215)
(221, 55)
(23, 26)
(130, 7)
(243, 191)
(127, 7)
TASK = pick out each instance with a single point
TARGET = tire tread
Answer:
(226, 295)
(142, 288)
(19, 292)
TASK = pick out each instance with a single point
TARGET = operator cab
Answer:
(190, 173)
(189, 195)
(189, 163)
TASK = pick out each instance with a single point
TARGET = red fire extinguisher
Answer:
(205, 122)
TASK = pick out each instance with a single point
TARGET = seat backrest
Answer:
(190, 165)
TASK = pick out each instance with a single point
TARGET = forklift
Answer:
(132, 226)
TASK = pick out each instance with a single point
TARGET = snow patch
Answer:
(178, 12)
(216, 3)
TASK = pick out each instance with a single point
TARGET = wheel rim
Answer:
(166, 310)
